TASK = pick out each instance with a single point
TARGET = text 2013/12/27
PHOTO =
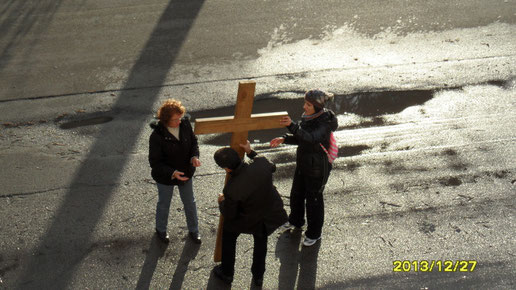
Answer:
(434, 266)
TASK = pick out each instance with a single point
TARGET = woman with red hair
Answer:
(173, 157)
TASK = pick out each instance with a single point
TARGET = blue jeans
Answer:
(163, 206)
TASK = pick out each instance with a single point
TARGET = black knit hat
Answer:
(318, 98)
(227, 158)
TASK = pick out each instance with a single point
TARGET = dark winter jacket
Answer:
(168, 154)
(251, 200)
(311, 160)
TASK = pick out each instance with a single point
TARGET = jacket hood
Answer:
(239, 168)
(329, 117)
(154, 124)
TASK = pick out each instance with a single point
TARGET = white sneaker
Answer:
(310, 242)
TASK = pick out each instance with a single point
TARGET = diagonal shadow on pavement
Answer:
(189, 253)
(67, 241)
(296, 264)
(156, 250)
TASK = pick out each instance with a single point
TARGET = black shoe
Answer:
(196, 237)
(258, 281)
(219, 274)
(163, 236)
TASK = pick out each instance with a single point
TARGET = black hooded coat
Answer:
(311, 160)
(167, 153)
(251, 200)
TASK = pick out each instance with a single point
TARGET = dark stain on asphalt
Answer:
(501, 174)
(458, 166)
(449, 152)
(454, 161)
(498, 83)
(397, 168)
(456, 228)
(426, 227)
(504, 84)
(391, 167)
(450, 181)
(347, 151)
(86, 122)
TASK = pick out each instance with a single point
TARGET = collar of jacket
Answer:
(163, 132)
(156, 124)
(239, 169)
(328, 116)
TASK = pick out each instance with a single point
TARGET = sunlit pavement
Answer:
(422, 195)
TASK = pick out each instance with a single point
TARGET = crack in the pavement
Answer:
(22, 194)
(30, 193)
(473, 209)
(85, 185)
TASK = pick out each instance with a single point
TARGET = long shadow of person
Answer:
(68, 238)
(156, 250)
(287, 250)
(308, 266)
(189, 253)
(214, 283)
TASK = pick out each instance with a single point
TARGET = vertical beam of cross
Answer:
(239, 125)
(243, 109)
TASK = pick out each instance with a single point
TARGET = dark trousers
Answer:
(229, 240)
(309, 190)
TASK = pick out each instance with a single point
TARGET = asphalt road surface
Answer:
(422, 195)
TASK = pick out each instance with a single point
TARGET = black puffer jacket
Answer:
(167, 154)
(311, 159)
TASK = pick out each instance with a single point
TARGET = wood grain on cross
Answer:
(239, 125)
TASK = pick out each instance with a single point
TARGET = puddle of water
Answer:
(376, 104)
(86, 122)
(504, 84)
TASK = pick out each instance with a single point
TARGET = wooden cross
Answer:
(239, 125)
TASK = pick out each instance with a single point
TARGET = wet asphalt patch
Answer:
(504, 84)
(426, 227)
(86, 122)
(376, 104)
(372, 105)
(451, 181)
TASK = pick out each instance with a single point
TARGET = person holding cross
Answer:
(250, 204)
(312, 135)
(173, 157)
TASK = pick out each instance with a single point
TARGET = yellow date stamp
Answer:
(434, 266)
